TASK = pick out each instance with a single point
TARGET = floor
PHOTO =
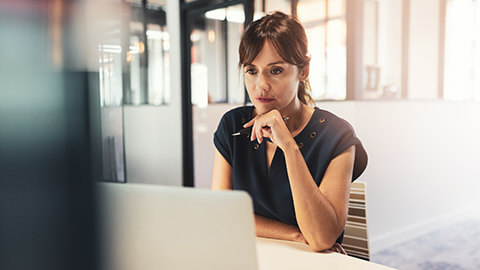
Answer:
(456, 247)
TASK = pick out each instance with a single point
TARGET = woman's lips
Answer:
(264, 99)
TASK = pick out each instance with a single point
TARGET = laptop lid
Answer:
(159, 227)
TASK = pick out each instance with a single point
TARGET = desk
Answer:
(279, 254)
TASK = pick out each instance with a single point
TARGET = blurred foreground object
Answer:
(46, 137)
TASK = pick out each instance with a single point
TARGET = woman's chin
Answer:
(263, 108)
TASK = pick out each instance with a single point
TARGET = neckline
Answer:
(309, 123)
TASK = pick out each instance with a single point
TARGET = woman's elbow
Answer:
(321, 247)
(321, 243)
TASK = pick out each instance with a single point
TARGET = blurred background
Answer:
(131, 91)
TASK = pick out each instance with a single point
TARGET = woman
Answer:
(297, 162)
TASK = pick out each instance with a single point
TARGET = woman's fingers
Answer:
(267, 133)
(253, 134)
(259, 132)
(262, 126)
(250, 123)
(259, 135)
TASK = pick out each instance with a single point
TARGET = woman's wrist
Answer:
(289, 146)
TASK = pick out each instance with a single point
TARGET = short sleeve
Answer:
(222, 141)
(347, 139)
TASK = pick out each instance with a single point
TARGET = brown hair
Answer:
(287, 36)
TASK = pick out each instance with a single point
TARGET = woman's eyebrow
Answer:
(269, 64)
(276, 63)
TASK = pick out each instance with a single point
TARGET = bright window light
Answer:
(462, 50)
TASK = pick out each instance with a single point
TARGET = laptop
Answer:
(162, 227)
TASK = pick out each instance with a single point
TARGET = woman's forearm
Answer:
(318, 219)
(266, 227)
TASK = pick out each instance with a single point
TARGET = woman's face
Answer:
(271, 82)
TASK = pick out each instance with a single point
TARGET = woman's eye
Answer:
(276, 71)
(250, 71)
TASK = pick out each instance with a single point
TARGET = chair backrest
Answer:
(355, 241)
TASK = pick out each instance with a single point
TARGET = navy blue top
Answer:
(324, 137)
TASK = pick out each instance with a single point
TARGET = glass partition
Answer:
(133, 66)
(325, 24)
(215, 36)
(213, 33)
(382, 49)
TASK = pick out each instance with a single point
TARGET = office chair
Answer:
(355, 241)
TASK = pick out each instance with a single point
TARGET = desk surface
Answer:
(278, 254)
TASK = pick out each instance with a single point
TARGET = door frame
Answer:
(187, 12)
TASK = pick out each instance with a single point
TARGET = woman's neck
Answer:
(297, 114)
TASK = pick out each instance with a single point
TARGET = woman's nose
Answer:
(263, 82)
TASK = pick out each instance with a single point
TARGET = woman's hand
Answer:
(270, 125)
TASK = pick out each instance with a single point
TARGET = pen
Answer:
(248, 131)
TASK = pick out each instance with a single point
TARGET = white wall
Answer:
(423, 165)
(153, 134)
(153, 145)
(423, 161)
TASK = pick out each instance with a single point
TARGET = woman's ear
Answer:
(304, 72)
